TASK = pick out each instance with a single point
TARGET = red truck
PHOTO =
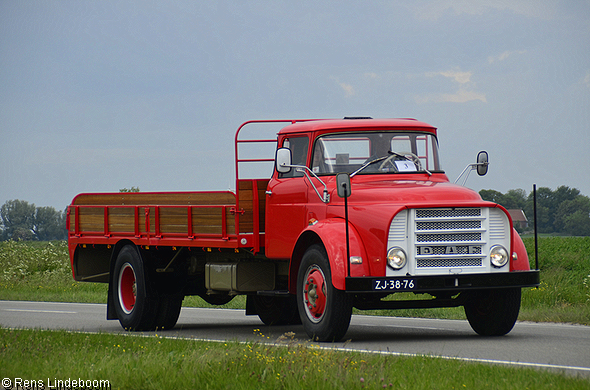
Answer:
(358, 213)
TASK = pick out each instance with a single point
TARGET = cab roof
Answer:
(362, 124)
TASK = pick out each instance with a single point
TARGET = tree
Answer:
(17, 217)
(515, 199)
(49, 224)
(23, 221)
(548, 203)
(492, 196)
(573, 216)
(132, 189)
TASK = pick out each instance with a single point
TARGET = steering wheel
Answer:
(409, 155)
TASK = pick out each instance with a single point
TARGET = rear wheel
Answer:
(493, 312)
(168, 312)
(135, 310)
(324, 310)
(277, 310)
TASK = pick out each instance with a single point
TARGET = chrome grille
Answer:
(449, 238)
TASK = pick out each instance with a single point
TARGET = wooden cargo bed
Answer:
(206, 219)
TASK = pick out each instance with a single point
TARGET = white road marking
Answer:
(43, 311)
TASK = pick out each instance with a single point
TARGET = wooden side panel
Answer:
(209, 220)
(122, 219)
(156, 198)
(173, 220)
(168, 214)
(91, 219)
(246, 196)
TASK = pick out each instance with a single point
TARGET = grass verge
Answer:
(135, 362)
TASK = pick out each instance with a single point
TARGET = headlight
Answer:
(498, 256)
(396, 258)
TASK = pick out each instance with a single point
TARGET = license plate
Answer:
(393, 284)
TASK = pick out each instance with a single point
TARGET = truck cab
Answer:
(409, 229)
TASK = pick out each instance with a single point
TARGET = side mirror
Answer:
(283, 160)
(343, 185)
(482, 163)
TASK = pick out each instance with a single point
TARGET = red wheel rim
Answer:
(314, 294)
(127, 288)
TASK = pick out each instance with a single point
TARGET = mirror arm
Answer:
(306, 171)
(471, 167)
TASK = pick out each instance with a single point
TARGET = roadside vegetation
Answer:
(40, 271)
(152, 362)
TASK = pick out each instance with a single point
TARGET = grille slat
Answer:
(448, 225)
(447, 213)
(459, 237)
(439, 263)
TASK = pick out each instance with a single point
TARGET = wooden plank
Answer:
(156, 198)
(91, 219)
(173, 220)
(246, 197)
(122, 219)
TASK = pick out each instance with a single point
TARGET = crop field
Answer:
(40, 271)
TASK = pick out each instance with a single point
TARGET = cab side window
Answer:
(298, 147)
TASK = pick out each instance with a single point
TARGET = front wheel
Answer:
(493, 312)
(324, 310)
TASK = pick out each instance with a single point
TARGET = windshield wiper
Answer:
(370, 163)
(365, 165)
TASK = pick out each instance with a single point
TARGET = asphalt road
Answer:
(539, 345)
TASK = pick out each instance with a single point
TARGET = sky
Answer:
(102, 95)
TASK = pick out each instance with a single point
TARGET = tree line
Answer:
(563, 211)
(21, 220)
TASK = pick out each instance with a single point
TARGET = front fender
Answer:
(522, 262)
(331, 234)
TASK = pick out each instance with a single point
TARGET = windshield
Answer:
(376, 152)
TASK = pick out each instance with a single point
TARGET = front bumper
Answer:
(434, 283)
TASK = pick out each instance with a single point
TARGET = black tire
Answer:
(168, 312)
(493, 312)
(324, 310)
(134, 309)
(277, 310)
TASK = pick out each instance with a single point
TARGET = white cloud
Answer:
(435, 9)
(461, 96)
(464, 94)
(458, 76)
(347, 88)
(504, 55)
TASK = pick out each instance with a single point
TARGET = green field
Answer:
(40, 271)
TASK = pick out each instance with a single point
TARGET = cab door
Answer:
(286, 203)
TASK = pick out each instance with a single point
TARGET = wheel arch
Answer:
(331, 234)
